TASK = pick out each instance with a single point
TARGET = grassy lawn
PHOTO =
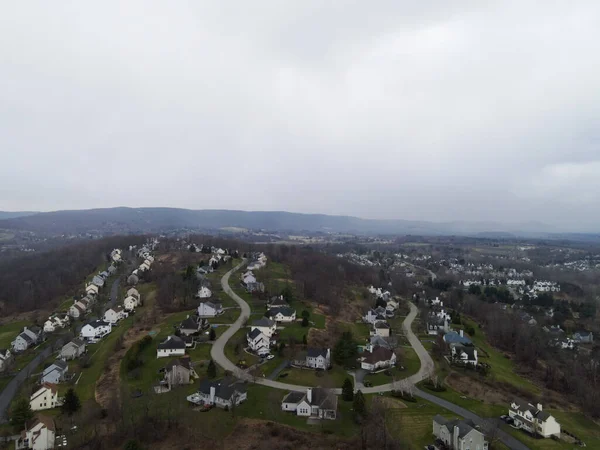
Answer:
(360, 331)
(230, 349)
(503, 369)
(10, 331)
(479, 407)
(99, 354)
(265, 403)
(413, 424)
(306, 377)
(293, 330)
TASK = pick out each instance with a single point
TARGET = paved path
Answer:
(278, 370)
(12, 387)
(427, 366)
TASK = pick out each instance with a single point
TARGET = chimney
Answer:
(309, 395)
(212, 393)
(24, 328)
(539, 406)
(461, 333)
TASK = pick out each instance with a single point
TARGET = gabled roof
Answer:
(213, 305)
(77, 342)
(285, 311)
(46, 421)
(294, 397)
(98, 323)
(453, 336)
(191, 323)
(263, 322)
(45, 386)
(172, 343)
(324, 399)
(381, 324)
(224, 388)
(378, 354)
(179, 362)
(254, 334)
(316, 352)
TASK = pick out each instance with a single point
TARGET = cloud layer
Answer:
(438, 111)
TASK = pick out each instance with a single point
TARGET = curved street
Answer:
(427, 366)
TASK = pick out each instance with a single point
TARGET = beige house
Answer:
(179, 372)
(533, 419)
(39, 434)
(46, 397)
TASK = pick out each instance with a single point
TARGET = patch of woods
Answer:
(37, 280)
(134, 359)
(576, 374)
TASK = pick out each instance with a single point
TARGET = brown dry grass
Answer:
(477, 390)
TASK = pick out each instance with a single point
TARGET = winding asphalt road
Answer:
(218, 355)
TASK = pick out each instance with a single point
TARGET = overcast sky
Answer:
(445, 110)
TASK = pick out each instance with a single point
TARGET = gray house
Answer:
(458, 434)
(73, 349)
(28, 338)
(583, 337)
(5, 359)
(55, 372)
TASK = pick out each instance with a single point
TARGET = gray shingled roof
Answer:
(172, 342)
(316, 352)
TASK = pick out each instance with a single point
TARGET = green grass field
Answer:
(410, 363)
(10, 331)
(307, 377)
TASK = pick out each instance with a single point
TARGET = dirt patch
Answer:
(390, 403)
(477, 390)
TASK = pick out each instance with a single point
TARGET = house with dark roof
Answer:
(178, 372)
(380, 328)
(316, 402)
(463, 353)
(458, 434)
(39, 434)
(265, 325)
(29, 337)
(276, 301)
(192, 325)
(282, 314)
(533, 418)
(379, 358)
(210, 309)
(583, 337)
(453, 337)
(171, 346)
(95, 330)
(258, 342)
(318, 358)
(73, 349)
(223, 393)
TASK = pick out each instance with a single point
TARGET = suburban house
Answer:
(277, 301)
(91, 289)
(73, 349)
(179, 372)
(5, 359)
(55, 372)
(458, 434)
(378, 341)
(463, 353)
(46, 397)
(115, 255)
(133, 292)
(209, 309)
(316, 402)
(374, 315)
(453, 337)
(95, 330)
(582, 337)
(98, 281)
(38, 434)
(315, 358)
(255, 287)
(282, 314)
(192, 325)
(378, 358)
(533, 419)
(172, 346)
(258, 342)
(204, 292)
(381, 328)
(77, 310)
(115, 314)
(265, 325)
(27, 338)
(111, 270)
(54, 322)
(223, 393)
(130, 303)
(248, 278)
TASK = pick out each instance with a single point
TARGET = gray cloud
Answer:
(431, 110)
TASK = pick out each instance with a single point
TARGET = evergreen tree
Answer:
(304, 322)
(20, 414)
(71, 403)
(211, 370)
(346, 349)
(359, 405)
(304, 340)
(212, 335)
(347, 390)
(306, 314)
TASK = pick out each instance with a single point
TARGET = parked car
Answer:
(270, 356)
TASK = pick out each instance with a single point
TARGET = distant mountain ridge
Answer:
(147, 220)
(15, 214)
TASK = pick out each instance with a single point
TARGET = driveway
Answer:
(278, 370)
(12, 387)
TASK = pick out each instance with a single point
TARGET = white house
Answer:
(265, 326)
(533, 419)
(381, 328)
(133, 292)
(55, 372)
(77, 310)
(5, 359)
(95, 330)
(465, 354)
(39, 434)
(192, 324)
(250, 278)
(27, 338)
(282, 314)
(130, 303)
(258, 342)
(209, 309)
(318, 358)
(316, 402)
(374, 315)
(114, 315)
(204, 292)
(73, 349)
(46, 397)
(54, 322)
(172, 346)
(223, 393)
(378, 358)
